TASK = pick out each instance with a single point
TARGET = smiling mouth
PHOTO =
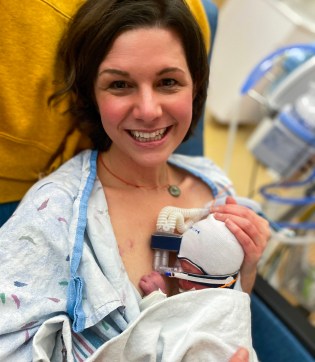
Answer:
(141, 136)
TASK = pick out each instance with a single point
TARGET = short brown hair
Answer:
(90, 36)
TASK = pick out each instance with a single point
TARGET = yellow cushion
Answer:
(200, 15)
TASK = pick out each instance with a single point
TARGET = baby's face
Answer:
(189, 268)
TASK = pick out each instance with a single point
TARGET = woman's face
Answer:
(144, 92)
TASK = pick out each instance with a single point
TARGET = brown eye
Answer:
(168, 82)
(119, 84)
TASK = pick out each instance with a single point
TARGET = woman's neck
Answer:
(126, 170)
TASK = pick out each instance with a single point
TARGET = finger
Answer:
(246, 242)
(241, 355)
(230, 200)
(260, 223)
(233, 208)
(242, 227)
(252, 251)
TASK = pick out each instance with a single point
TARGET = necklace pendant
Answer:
(174, 190)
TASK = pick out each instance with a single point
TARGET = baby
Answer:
(209, 256)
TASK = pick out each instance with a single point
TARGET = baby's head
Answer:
(209, 247)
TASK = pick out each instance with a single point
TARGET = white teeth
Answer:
(148, 136)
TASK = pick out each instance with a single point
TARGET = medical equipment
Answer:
(196, 232)
(172, 222)
(216, 281)
(247, 31)
(277, 80)
(284, 141)
(275, 83)
(165, 239)
(283, 84)
(287, 72)
(274, 194)
(190, 233)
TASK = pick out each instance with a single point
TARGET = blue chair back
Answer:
(195, 145)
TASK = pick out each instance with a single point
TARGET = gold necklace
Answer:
(173, 190)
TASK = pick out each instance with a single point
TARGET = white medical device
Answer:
(176, 224)
(284, 140)
(286, 143)
(172, 221)
(166, 240)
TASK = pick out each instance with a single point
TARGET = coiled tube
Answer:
(173, 218)
(170, 219)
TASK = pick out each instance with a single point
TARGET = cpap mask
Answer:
(202, 241)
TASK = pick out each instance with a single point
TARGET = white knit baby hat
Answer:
(210, 245)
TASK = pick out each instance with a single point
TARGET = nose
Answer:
(147, 106)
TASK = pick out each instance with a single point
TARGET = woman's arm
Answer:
(34, 270)
(252, 232)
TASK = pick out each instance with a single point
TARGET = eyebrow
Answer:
(114, 71)
(170, 70)
(126, 74)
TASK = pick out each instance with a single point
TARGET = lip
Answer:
(149, 137)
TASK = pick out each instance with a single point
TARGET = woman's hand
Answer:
(252, 232)
(241, 355)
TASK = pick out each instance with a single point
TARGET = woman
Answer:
(78, 244)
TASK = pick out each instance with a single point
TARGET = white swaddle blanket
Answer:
(204, 325)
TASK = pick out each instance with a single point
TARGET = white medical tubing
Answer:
(170, 219)
(173, 218)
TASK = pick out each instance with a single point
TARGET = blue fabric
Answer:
(74, 302)
(6, 210)
(272, 340)
(212, 14)
(194, 145)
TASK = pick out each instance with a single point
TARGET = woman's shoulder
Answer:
(70, 176)
(194, 162)
(51, 201)
(59, 190)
